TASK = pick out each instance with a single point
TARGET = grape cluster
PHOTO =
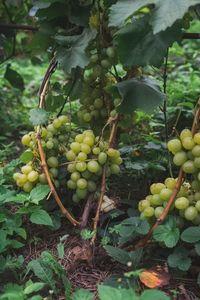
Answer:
(87, 156)
(54, 136)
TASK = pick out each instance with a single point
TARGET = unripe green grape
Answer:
(115, 169)
(156, 200)
(181, 203)
(180, 158)
(189, 167)
(81, 166)
(170, 183)
(57, 123)
(89, 140)
(149, 211)
(82, 156)
(75, 198)
(52, 162)
(102, 157)
(70, 155)
(91, 186)
(165, 194)
(108, 172)
(33, 176)
(188, 143)
(16, 176)
(79, 138)
(143, 204)
(56, 143)
(43, 143)
(117, 101)
(26, 140)
(22, 178)
(196, 220)
(197, 205)
(94, 58)
(190, 213)
(110, 51)
(43, 178)
(27, 187)
(71, 184)
(62, 138)
(105, 63)
(56, 183)
(196, 138)
(26, 169)
(81, 193)
(148, 197)
(158, 211)
(75, 176)
(44, 132)
(51, 128)
(196, 151)
(87, 117)
(19, 183)
(88, 132)
(49, 144)
(190, 156)
(63, 119)
(95, 114)
(81, 183)
(85, 148)
(53, 172)
(197, 196)
(93, 166)
(75, 147)
(98, 103)
(111, 152)
(183, 192)
(86, 174)
(174, 145)
(195, 185)
(156, 188)
(49, 135)
(191, 198)
(197, 162)
(185, 133)
(71, 168)
(96, 150)
(113, 113)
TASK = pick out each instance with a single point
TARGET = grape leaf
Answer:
(179, 258)
(41, 217)
(40, 192)
(26, 156)
(14, 78)
(38, 116)
(191, 234)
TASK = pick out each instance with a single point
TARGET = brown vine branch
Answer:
(19, 26)
(86, 211)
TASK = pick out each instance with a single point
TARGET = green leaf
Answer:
(80, 15)
(118, 254)
(179, 258)
(40, 192)
(110, 293)
(38, 116)
(3, 240)
(167, 233)
(191, 234)
(53, 102)
(41, 217)
(15, 244)
(138, 46)
(36, 297)
(21, 232)
(71, 52)
(135, 256)
(26, 156)
(34, 287)
(82, 294)
(60, 248)
(12, 291)
(197, 248)
(14, 78)
(143, 94)
(137, 225)
(123, 9)
(154, 294)
(167, 12)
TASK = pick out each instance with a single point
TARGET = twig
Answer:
(19, 26)
(86, 211)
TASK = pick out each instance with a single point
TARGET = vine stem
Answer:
(143, 241)
(103, 182)
(43, 161)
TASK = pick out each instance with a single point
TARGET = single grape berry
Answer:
(190, 213)
(93, 166)
(181, 203)
(174, 145)
(33, 176)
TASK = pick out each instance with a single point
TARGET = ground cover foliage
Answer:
(111, 146)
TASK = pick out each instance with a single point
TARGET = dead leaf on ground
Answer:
(155, 277)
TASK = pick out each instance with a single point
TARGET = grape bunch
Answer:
(87, 156)
(54, 137)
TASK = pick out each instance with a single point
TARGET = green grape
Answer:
(53, 172)
(62, 138)
(134, 117)
(57, 123)
(43, 143)
(174, 145)
(16, 176)
(181, 203)
(70, 155)
(43, 178)
(98, 103)
(22, 178)
(91, 186)
(86, 174)
(89, 140)
(81, 183)
(110, 51)
(108, 171)
(85, 148)
(71, 168)
(52, 162)
(149, 211)
(111, 152)
(103, 112)
(197, 162)
(63, 119)
(190, 155)
(197, 196)
(56, 143)
(27, 187)
(196, 138)
(75, 147)
(165, 194)
(158, 211)
(75, 198)
(115, 169)
(117, 101)
(79, 138)
(196, 220)
(57, 183)
(87, 117)
(185, 133)
(94, 58)
(49, 135)
(71, 184)
(183, 192)
(197, 205)
(96, 150)
(195, 185)
(196, 151)
(102, 157)
(113, 113)
(82, 156)
(33, 176)
(149, 197)
(156, 188)
(44, 132)
(156, 200)
(189, 167)
(170, 183)
(19, 183)
(188, 143)
(26, 169)
(81, 166)
(51, 128)
(75, 176)
(180, 158)
(143, 204)
(81, 193)
(26, 140)
(49, 144)
(190, 213)
(105, 63)
(93, 166)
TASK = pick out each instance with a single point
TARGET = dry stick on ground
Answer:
(142, 242)
(103, 182)
(44, 164)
